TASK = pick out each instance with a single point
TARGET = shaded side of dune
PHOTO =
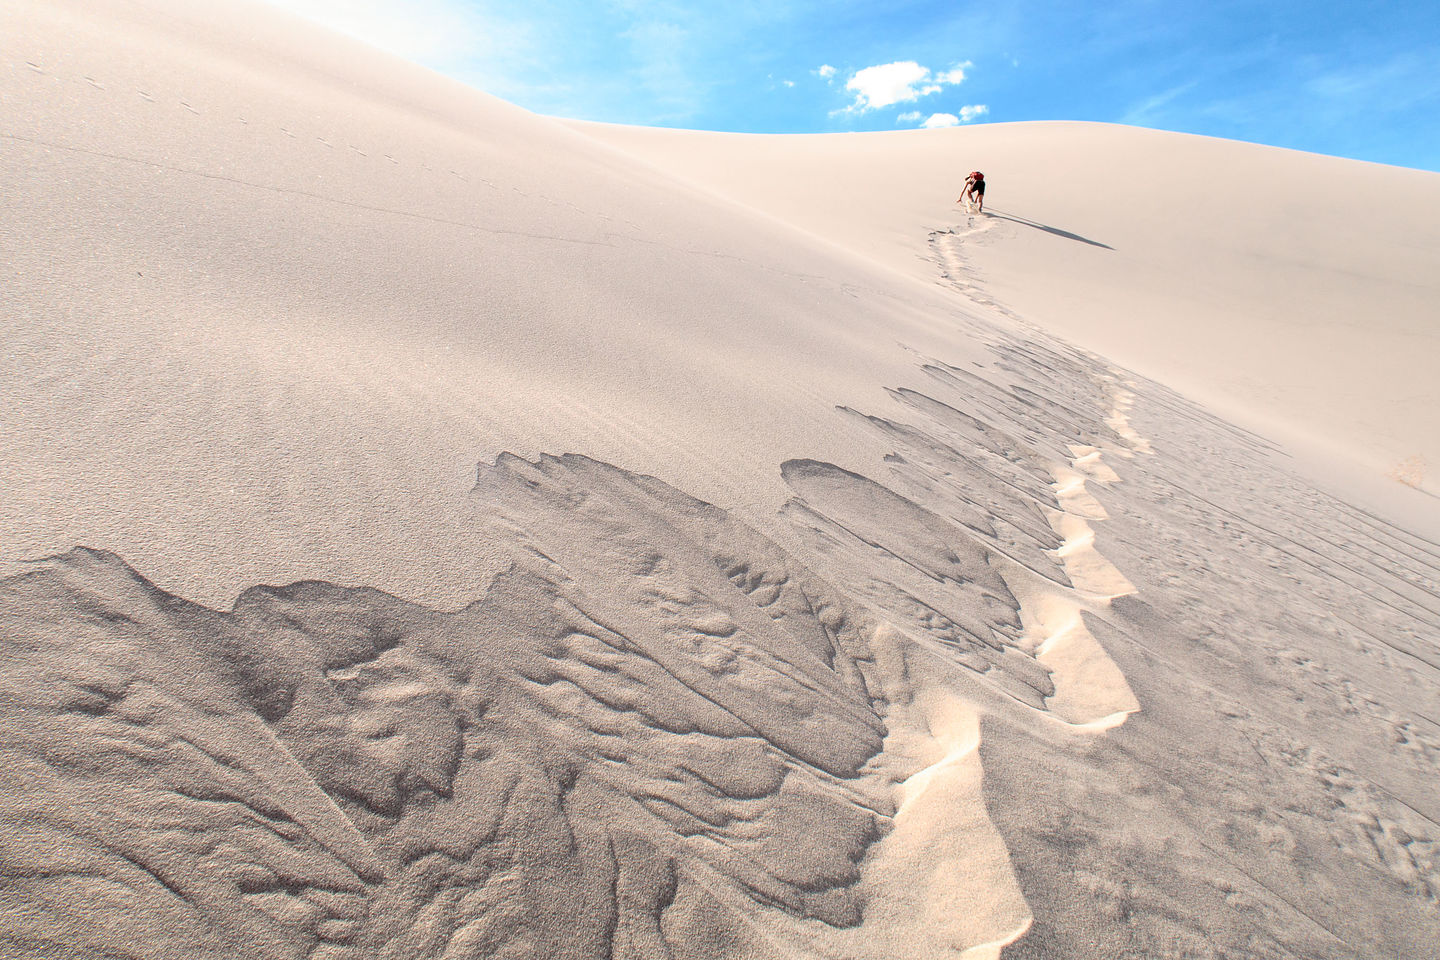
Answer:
(546, 772)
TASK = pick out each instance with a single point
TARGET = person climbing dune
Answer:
(974, 190)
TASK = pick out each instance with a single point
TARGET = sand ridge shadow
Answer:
(1015, 218)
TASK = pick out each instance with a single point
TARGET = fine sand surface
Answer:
(1293, 292)
(435, 530)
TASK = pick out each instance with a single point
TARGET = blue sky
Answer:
(1352, 79)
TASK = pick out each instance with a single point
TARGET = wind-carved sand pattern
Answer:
(974, 564)
(662, 734)
(982, 547)
(341, 773)
(1262, 584)
(658, 734)
(911, 730)
(1290, 820)
(1315, 563)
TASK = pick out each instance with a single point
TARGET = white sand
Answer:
(1294, 293)
(974, 641)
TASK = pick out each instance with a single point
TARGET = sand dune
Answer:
(837, 579)
(1295, 293)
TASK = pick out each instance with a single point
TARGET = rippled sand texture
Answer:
(809, 600)
(660, 734)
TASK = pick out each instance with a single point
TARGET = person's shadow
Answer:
(1055, 230)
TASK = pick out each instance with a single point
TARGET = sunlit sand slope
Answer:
(260, 266)
(1292, 291)
(432, 532)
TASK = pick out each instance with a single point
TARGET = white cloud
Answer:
(967, 113)
(955, 75)
(887, 83)
(826, 71)
(900, 82)
(788, 83)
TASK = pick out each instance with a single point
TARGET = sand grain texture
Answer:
(824, 588)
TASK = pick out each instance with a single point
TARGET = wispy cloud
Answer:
(903, 81)
(1151, 108)
(826, 71)
(1401, 82)
(940, 120)
(972, 110)
(658, 50)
